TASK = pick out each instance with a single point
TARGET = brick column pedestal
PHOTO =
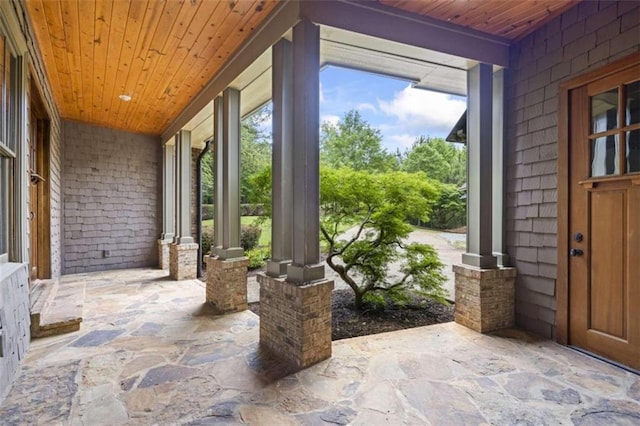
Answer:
(227, 284)
(183, 260)
(485, 298)
(163, 253)
(295, 321)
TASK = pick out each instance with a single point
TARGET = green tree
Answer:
(450, 209)
(255, 157)
(207, 178)
(439, 159)
(380, 205)
(355, 144)
(255, 151)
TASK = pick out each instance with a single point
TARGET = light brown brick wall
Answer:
(586, 37)
(295, 321)
(112, 198)
(227, 284)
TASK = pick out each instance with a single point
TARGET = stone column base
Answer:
(227, 284)
(163, 253)
(295, 321)
(485, 298)
(183, 260)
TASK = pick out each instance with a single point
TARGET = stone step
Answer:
(61, 312)
(42, 295)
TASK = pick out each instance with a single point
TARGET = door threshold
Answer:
(605, 360)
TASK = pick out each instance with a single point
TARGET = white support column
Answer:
(282, 158)
(217, 174)
(498, 169)
(168, 204)
(485, 293)
(306, 265)
(183, 188)
(479, 167)
(226, 289)
(183, 253)
(168, 192)
(295, 310)
(230, 176)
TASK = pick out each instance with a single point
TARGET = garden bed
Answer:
(347, 322)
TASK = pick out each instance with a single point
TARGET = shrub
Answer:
(207, 240)
(252, 210)
(207, 211)
(258, 257)
(249, 236)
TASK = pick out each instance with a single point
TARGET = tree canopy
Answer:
(353, 143)
(437, 158)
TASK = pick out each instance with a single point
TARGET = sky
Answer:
(400, 112)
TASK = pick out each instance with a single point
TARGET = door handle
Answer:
(576, 252)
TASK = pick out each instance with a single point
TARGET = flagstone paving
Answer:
(150, 352)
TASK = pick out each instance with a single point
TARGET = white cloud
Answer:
(321, 93)
(365, 106)
(421, 109)
(402, 141)
(330, 118)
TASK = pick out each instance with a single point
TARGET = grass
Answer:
(265, 236)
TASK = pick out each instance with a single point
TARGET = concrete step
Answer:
(58, 309)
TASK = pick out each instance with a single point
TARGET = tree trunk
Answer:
(358, 300)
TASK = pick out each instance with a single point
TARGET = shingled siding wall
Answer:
(112, 198)
(586, 37)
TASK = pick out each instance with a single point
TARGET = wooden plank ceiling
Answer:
(162, 52)
(511, 19)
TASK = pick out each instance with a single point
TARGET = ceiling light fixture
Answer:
(125, 98)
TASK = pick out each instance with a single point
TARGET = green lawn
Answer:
(265, 236)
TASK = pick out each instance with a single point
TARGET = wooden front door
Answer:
(33, 196)
(39, 189)
(604, 216)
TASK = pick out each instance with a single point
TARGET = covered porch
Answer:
(150, 352)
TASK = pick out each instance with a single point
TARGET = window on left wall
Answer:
(7, 144)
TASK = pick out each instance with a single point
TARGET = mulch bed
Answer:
(347, 322)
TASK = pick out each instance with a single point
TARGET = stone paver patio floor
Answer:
(148, 352)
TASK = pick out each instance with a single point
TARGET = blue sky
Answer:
(400, 112)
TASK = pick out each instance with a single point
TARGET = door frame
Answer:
(43, 149)
(564, 162)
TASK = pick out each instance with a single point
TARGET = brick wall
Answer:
(112, 198)
(585, 37)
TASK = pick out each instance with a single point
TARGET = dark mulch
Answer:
(347, 322)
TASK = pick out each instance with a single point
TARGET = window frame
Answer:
(6, 153)
(12, 136)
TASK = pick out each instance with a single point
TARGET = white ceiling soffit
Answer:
(254, 84)
(424, 69)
